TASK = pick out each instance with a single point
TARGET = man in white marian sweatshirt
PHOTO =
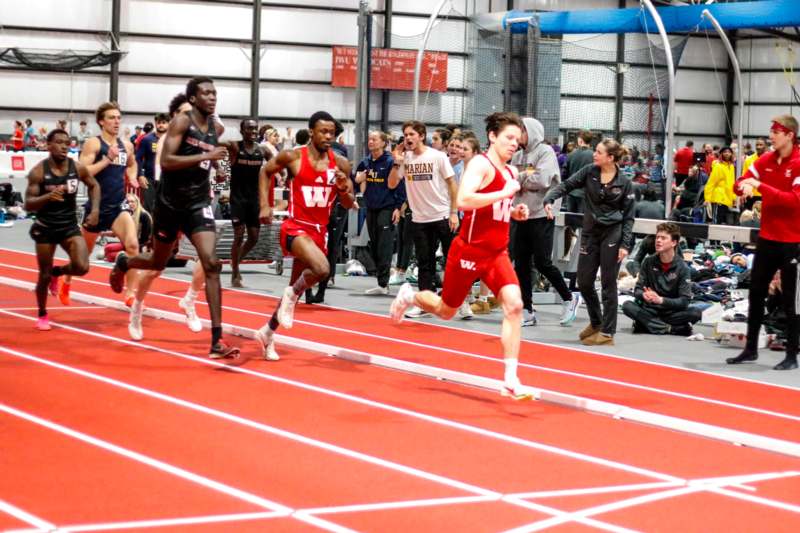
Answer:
(533, 238)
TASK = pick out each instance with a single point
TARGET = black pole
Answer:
(387, 43)
(255, 59)
(729, 95)
(619, 97)
(368, 75)
(114, 72)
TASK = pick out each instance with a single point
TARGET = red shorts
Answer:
(291, 229)
(466, 264)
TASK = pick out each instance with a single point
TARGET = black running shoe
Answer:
(745, 357)
(223, 351)
(790, 363)
(117, 277)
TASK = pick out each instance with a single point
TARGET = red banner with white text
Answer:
(391, 69)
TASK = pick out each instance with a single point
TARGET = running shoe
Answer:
(569, 309)
(63, 293)
(54, 285)
(223, 351)
(401, 302)
(117, 277)
(515, 391)
(529, 318)
(192, 320)
(43, 323)
(377, 291)
(236, 281)
(265, 337)
(286, 308)
(464, 311)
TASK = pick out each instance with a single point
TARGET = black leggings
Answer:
(533, 240)
(771, 256)
(600, 249)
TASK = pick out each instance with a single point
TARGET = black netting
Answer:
(65, 60)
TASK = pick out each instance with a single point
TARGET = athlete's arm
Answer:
(276, 164)
(88, 154)
(171, 161)
(478, 171)
(93, 218)
(35, 178)
(344, 186)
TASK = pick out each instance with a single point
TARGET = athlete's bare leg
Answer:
(78, 266)
(240, 248)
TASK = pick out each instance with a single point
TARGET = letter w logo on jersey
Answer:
(315, 196)
(467, 265)
(501, 210)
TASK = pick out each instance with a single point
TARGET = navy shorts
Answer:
(108, 214)
(168, 222)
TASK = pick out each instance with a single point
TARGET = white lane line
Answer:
(403, 504)
(756, 499)
(495, 360)
(265, 428)
(399, 410)
(51, 309)
(443, 326)
(692, 486)
(598, 490)
(26, 517)
(150, 461)
(567, 516)
(163, 522)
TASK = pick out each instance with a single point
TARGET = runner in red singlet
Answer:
(317, 176)
(481, 248)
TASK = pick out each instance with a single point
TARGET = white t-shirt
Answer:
(426, 188)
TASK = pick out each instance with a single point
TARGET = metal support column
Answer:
(114, 72)
(387, 43)
(729, 92)
(363, 78)
(620, 89)
(255, 60)
(534, 37)
(508, 49)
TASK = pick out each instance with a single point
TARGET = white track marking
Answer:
(403, 504)
(598, 490)
(26, 517)
(756, 499)
(407, 412)
(444, 326)
(149, 461)
(51, 309)
(496, 360)
(164, 522)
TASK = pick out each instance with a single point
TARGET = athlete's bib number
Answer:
(205, 165)
(331, 176)
(72, 186)
(208, 213)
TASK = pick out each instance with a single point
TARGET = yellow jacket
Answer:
(749, 160)
(719, 187)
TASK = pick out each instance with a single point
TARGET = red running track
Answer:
(312, 432)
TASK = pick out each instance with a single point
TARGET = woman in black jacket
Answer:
(607, 235)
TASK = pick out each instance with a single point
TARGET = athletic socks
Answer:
(137, 306)
(511, 370)
(216, 335)
(57, 271)
(191, 295)
(273, 321)
(42, 312)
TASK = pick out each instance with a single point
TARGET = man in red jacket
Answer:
(776, 175)
(684, 159)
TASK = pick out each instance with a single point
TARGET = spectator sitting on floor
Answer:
(650, 206)
(663, 291)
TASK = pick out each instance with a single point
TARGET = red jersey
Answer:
(780, 195)
(488, 226)
(684, 159)
(312, 192)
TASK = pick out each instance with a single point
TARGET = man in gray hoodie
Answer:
(533, 238)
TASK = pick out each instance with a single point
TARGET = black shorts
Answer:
(108, 214)
(43, 235)
(167, 222)
(245, 211)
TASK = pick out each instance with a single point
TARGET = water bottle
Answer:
(2, 215)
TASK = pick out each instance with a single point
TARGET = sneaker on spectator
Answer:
(398, 278)
(375, 291)
(464, 312)
(480, 307)
(569, 309)
(529, 318)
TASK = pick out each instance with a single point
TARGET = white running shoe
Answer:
(398, 278)
(465, 311)
(569, 309)
(529, 318)
(192, 320)
(416, 312)
(513, 389)
(375, 291)
(286, 309)
(264, 336)
(135, 323)
(401, 302)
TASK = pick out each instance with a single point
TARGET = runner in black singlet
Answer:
(52, 187)
(184, 204)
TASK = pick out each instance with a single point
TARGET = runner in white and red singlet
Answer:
(317, 176)
(480, 251)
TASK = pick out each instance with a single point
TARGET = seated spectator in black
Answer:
(649, 206)
(663, 291)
